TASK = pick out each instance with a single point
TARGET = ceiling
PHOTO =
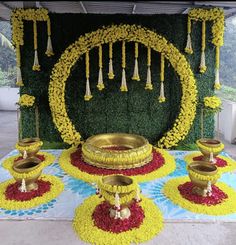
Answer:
(113, 7)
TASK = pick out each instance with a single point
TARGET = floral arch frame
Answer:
(127, 33)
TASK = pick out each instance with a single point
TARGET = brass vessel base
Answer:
(124, 213)
(199, 191)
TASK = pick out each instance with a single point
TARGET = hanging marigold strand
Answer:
(162, 74)
(19, 81)
(36, 66)
(188, 48)
(203, 62)
(49, 52)
(123, 87)
(149, 76)
(88, 94)
(111, 73)
(100, 84)
(136, 73)
(217, 84)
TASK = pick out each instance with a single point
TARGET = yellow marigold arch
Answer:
(134, 33)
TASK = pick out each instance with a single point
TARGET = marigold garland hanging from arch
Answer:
(126, 33)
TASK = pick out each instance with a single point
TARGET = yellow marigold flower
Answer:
(26, 100)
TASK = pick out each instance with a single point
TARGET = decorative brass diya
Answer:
(202, 175)
(29, 165)
(123, 187)
(210, 148)
(29, 147)
(136, 151)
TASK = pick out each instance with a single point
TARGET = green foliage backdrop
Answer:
(137, 111)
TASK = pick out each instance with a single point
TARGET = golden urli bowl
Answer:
(135, 151)
(26, 166)
(122, 186)
(201, 171)
(211, 144)
(26, 142)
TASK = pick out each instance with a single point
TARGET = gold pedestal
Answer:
(208, 147)
(122, 185)
(198, 173)
(138, 151)
(31, 164)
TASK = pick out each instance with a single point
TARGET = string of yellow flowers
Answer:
(49, 52)
(17, 21)
(88, 96)
(162, 74)
(188, 48)
(26, 100)
(111, 73)
(231, 164)
(217, 16)
(212, 102)
(83, 224)
(56, 188)
(149, 76)
(36, 66)
(100, 84)
(129, 33)
(203, 60)
(226, 207)
(123, 87)
(65, 163)
(136, 72)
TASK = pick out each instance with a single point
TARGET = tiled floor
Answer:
(60, 232)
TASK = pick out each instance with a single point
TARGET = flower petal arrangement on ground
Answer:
(85, 222)
(224, 164)
(222, 201)
(164, 165)
(10, 198)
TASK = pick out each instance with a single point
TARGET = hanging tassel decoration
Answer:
(49, 52)
(100, 84)
(162, 73)
(24, 154)
(36, 66)
(117, 206)
(88, 96)
(19, 81)
(211, 160)
(137, 197)
(188, 48)
(123, 87)
(136, 73)
(217, 84)
(23, 186)
(111, 73)
(149, 76)
(203, 61)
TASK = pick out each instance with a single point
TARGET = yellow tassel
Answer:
(136, 73)
(49, 51)
(123, 87)
(88, 96)
(149, 79)
(19, 81)
(188, 48)
(111, 73)
(162, 94)
(36, 66)
(100, 84)
(203, 67)
(217, 84)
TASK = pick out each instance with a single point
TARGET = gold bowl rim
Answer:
(28, 141)
(24, 161)
(116, 179)
(204, 141)
(213, 168)
(123, 136)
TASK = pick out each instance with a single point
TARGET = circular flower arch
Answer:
(129, 33)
